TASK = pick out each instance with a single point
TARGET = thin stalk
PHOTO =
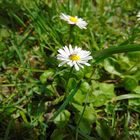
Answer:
(69, 78)
(77, 127)
(70, 34)
(67, 100)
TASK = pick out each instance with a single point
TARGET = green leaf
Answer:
(79, 97)
(62, 119)
(86, 136)
(85, 126)
(137, 90)
(85, 86)
(57, 134)
(134, 56)
(10, 124)
(102, 93)
(67, 100)
(24, 117)
(90, 114)
(85, 119)
(71, 83)
(130, 83)
(102, 54)
(82, 92)
(77, 107)
(58, 100)
(104, 131)
(111, 67)
(46, 75)
(4, 33)
(134, 102)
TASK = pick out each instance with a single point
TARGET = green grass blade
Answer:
(101, 55)
(18, 19)
(18, 53)
(8, 129)
(126, 96)
(68, 99)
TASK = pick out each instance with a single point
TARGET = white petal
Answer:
(70, 22)
(63, 53)
(81, 23)
(87, 64)
(70, 49)
(67, 50)
(62, 63)
(86, 58)
(77, 50)
(70, 63)
(80, 65)
(84, 62)
(76, 66)
(64, 17)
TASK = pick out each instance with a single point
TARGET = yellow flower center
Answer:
(74, 57)
(74, 19)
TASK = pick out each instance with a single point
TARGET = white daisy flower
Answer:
(74, 20)
(73, 57)
(138, 15)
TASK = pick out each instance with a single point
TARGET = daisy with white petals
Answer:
(138, 15)
(74, 20)
(73, 57)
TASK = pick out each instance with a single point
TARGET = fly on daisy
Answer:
(74, 20)
(74, 57)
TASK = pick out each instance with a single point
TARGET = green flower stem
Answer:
(67, 100)
(70, 34)
(69, 78)
(92, 73)
(84, 108)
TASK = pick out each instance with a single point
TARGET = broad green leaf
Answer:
(111, 67)
(85, 136)
(62, 119)
(77, 107)
(82, 92)
(85, 87)
(84, 119)
(79, 97)
(89, 114)
(137, 90)
(102, 93)
(85, 126)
